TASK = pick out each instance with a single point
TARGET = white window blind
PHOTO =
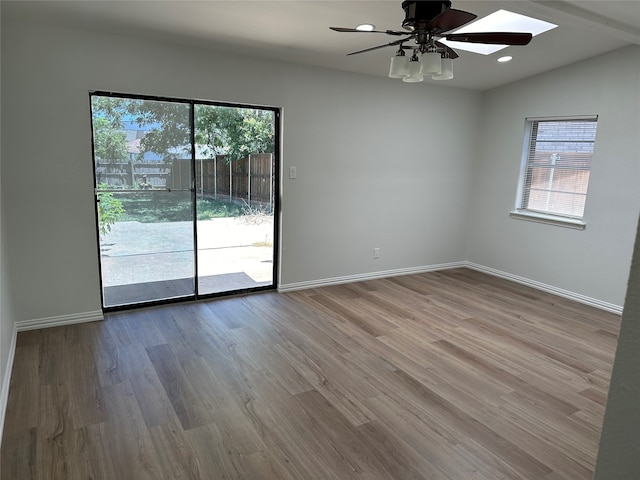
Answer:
(557, 165)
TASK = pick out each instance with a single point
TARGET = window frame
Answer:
(522, 212)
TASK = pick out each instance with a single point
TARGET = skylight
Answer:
(500, 21)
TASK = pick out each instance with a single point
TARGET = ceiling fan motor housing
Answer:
(419, 13)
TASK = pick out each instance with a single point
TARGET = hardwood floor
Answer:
(452, 375)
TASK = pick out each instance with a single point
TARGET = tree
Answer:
(109, 143)
(111, 108)
(170, 124)
(235, 132)
(251, 132)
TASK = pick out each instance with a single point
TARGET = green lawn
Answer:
(153, 207)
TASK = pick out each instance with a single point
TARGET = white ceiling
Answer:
(298, 30)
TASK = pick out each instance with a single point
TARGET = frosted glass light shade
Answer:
(399, 67)
(414, 73)
(447, 70)
(431, 64)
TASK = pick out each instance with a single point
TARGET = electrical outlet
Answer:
(376, 253)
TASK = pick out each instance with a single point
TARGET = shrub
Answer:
(110, 209)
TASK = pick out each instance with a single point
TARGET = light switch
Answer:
(292, 172)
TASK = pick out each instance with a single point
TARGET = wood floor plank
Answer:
(187, 406)
(55, 429)
(546, 399)
(19, 451)
(87, 401)
(177, 458)
(451, 375)
(332, 388)
(278, 418)
(509, 427)
(123, 444)
(24, 388)
(341, 434)
(137, 368)
(285, 372)
(434, 446)
(213, 460)
(471, 427)
(374, 325)
(396, 455)
(567, 440)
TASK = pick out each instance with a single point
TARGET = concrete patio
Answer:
(135, 253)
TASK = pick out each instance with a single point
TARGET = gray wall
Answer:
(6, 315)
(380, 163)
(619, 452)
(593, 262)
(6, 310)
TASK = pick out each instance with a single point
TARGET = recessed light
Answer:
(504, 59)
(366, 27)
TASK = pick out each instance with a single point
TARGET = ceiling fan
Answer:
(427, 22)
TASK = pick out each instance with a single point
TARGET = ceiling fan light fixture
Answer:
(414, 71)
(434, 27)
(399, 67)
(447, 70)
(431, 64)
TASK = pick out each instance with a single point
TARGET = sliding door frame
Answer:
(276, 199)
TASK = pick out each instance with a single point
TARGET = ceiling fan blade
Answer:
(353, 30)
(450, 19)
(397, 42)
(495, 38)
(452, 53)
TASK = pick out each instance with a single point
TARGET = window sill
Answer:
(549, 219)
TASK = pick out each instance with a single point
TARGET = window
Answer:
(556, 165)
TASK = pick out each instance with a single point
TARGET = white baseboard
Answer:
(6, 380)
(47, 322)
(594, 302)
(59, 320)
(325, 282)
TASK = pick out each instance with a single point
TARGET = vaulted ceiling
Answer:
(297, 31)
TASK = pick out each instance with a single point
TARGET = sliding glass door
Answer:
(185, 198)
(235, 168)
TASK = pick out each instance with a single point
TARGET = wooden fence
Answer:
(134, 174)
(249, 179)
